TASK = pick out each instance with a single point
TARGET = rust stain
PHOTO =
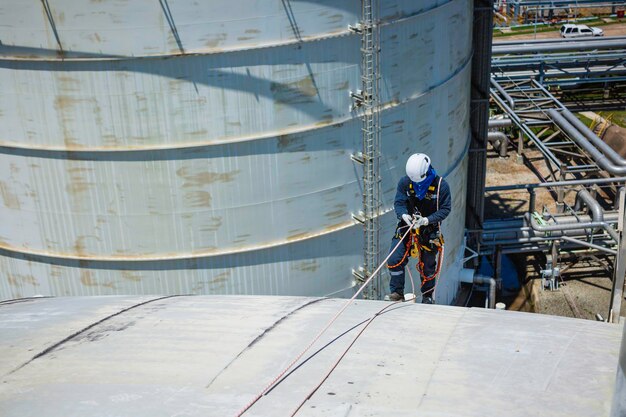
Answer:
(86, 279)
(198, 198)
(8, 197)
(131, 276)
(78, 170)
(253, 31)
(18, 280)
(14, 168)
(78, 182)
(323, 122)
(55, 271)
(78, 186)
(334, 227)
(64, 102)
(297, 236)
(213, 225)
(245, 38)
(307, 266)
(79, 246)
(340, 212)
(68, 80)
(291, 143)
(336, 18)
(202, 132)
(204, 177)
(343, 86)
(297, 92)
(216, 40)
(220, 278)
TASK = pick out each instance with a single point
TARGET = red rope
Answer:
(293, 362)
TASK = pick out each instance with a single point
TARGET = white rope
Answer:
(280, 375)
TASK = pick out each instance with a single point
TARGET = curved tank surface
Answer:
(180, 147)
(210, 355)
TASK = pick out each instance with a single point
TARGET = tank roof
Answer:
(210, 355)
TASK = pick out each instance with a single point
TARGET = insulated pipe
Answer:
(469, 276)
(560, 227)
(495, 123)
(581, 140)
(480, 279)
(568, 183)
(558, 40)
(499, 141)
(506, 95)
(594, 139)
(597, 214)
(559, 46)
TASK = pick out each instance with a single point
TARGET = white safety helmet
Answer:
(417, 167)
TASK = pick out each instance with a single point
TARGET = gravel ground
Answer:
(586, 288)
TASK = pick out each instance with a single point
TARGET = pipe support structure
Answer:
(604, 147)
(560, 227)
(601, 159)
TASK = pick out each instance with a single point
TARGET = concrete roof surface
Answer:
(210, 355)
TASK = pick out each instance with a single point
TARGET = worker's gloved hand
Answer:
(407, 219)
(421, 221)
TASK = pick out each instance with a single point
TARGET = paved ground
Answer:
(618, 29)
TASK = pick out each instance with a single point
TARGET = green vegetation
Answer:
(584, 119)
(617, 117)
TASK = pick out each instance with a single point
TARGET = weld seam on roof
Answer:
(261, 335)
(73, 335)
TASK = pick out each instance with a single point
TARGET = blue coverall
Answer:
(406, 202)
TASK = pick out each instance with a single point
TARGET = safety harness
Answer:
(414, 248)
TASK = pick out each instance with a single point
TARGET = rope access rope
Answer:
(280, 375)
(345, 352)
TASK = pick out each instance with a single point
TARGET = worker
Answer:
(422, 201)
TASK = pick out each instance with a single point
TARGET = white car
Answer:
(578, 31)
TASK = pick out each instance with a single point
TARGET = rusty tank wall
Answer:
(204, 147)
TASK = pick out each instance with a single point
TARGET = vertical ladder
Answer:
(370, 60)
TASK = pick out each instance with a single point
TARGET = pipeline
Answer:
(469, 276)
(585, 197)
(606, 43)
(594, 139)
(520, 231)
(584, 143)
(558, 40)
(500, 141)
(496, 123)
(557, 229)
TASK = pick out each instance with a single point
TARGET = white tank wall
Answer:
(129, 168)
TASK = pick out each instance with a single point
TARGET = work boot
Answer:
(427, 300)
(395, 296)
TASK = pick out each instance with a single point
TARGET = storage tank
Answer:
(205, 147)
